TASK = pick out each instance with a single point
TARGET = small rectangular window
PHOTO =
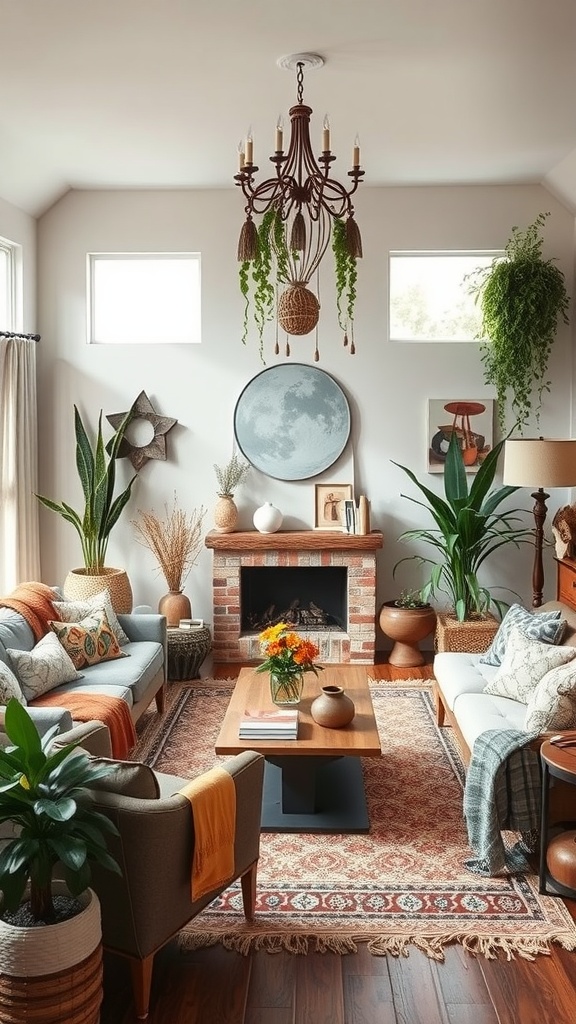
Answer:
(144, 298)
(8, 276)
(430, 297)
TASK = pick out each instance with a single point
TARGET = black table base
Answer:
(314, 794)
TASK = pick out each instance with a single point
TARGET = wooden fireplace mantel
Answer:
(294, 540)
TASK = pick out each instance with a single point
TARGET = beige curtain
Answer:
(19, 534)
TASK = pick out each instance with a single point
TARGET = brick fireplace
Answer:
(356, 643)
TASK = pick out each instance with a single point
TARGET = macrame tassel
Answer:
(316, 352)
(353, 238)
(248, 241)
(298, 233)
(287, 347)
(352, 345)
(346, 340)
(276, 348)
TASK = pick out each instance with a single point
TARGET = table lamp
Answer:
(539, 462)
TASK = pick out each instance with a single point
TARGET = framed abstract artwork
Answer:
(473, 422)
(330, 504)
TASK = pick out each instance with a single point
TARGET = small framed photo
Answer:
(330, 506)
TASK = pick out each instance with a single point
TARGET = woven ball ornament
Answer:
(298, 310)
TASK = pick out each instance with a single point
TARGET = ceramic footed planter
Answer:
(406, 626)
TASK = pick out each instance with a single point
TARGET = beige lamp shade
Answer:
(540, 462)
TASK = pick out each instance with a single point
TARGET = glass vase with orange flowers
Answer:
(287, 657)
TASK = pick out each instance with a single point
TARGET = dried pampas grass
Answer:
(175, 539)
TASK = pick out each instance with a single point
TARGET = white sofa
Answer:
(460, 701)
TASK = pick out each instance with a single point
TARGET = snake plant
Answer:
(97, 471)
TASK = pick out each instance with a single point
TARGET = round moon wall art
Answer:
(292, 421)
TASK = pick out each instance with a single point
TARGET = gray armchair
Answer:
(150, 902)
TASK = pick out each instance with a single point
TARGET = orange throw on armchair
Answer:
(213, 799)
(87, 707)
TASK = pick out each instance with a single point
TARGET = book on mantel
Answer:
(282, 723)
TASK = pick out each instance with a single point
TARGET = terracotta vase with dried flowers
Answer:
(228, 477)
(175, 540)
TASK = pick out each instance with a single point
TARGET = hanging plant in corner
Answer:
(522, 298)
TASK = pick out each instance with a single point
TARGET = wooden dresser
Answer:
(566, 581)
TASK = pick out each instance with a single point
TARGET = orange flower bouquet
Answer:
(287, 657)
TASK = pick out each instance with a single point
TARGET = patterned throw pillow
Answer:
(524, 664)
(548, 627)
(89, 641)
(74, 611)
(47, 665)
(9, 686)
(553, 703)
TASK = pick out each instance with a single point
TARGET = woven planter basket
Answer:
(474, 635)
(298, 310)
(79, 585)
(53, 973)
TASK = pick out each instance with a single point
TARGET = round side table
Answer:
(187, 649)
(558, 851)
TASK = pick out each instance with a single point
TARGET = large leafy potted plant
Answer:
(96, 466)
(522, 298)
(50, 932)
(470, 526)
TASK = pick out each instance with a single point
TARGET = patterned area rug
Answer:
(403, 883)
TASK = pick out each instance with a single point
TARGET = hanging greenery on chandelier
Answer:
(302, 210)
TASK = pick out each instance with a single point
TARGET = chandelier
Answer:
(300, 210)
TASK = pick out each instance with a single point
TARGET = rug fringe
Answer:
(487, 946)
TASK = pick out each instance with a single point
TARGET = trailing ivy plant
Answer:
(522, 297)
(255, 275)
(346, 276)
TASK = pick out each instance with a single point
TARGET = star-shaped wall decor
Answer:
(142, 409)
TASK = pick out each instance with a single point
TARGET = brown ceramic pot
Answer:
(332, 708)
(175, 606)
(406, 626)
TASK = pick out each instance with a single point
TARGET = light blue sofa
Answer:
(137, 679)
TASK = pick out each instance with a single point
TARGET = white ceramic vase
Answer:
(267, 518)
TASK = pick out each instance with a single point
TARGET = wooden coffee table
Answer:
(313, 783)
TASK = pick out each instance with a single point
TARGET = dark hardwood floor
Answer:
(214, 986)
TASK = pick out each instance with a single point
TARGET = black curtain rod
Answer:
(22, 337)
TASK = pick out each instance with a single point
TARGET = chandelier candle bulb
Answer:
(326, 135)
(356, 153)
(240, 156)
(249, 148)
(279, 135)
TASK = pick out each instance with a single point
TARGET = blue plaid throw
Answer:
(502, 792)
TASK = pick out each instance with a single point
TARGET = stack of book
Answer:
(280, 724)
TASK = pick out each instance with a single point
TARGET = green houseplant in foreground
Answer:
(44, 795)
(522, 297)
(97, 471)
(469, 528)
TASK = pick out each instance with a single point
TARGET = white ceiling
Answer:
(158, 93)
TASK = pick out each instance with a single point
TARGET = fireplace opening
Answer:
(312, 597)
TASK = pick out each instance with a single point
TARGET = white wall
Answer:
(20, 228)
(387, 385)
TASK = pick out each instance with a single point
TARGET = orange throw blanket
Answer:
(34, 602)
(86, 707)
(213, 799)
